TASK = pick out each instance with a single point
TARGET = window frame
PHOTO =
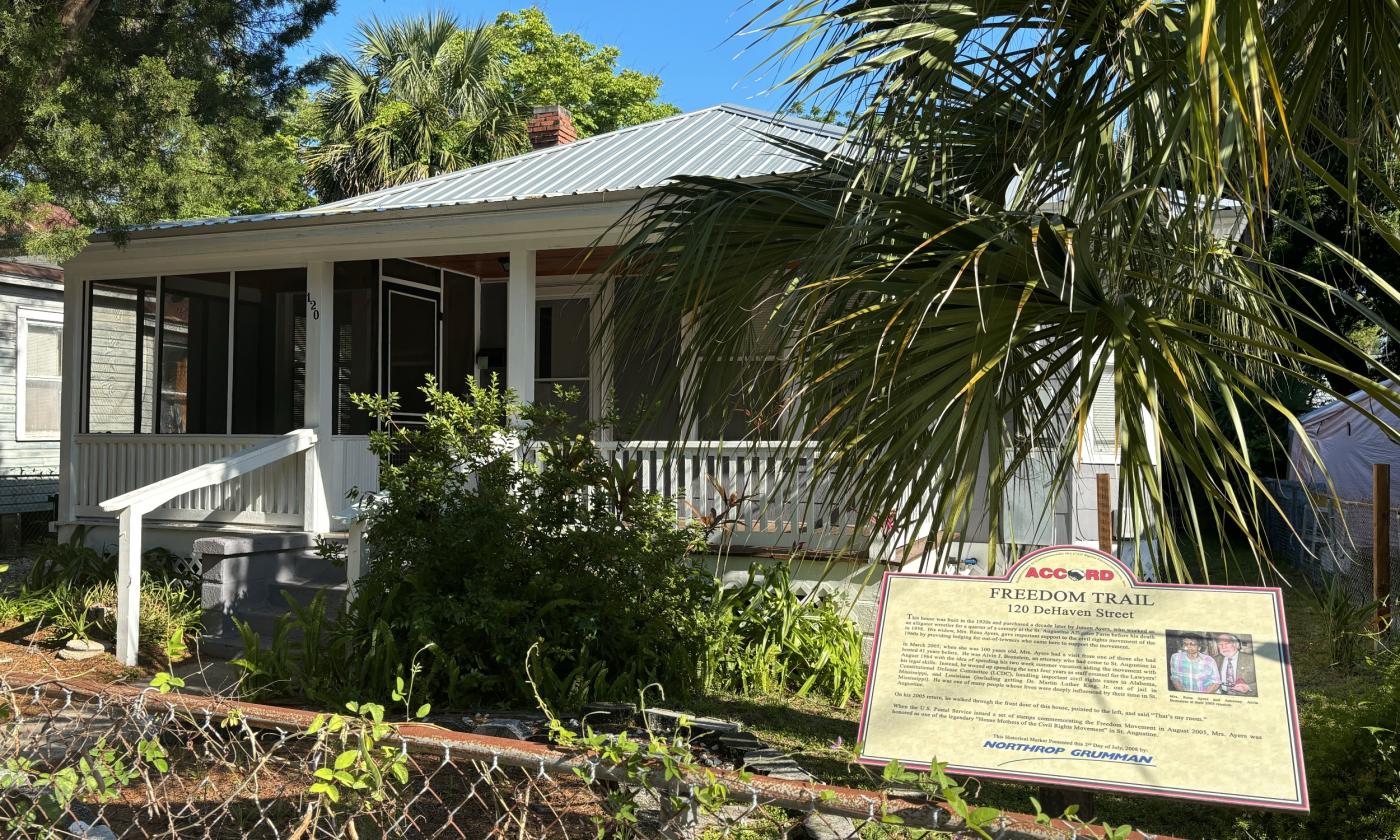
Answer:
(23, 318)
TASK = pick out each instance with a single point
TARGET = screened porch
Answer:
(181, 371)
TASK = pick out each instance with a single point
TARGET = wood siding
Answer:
(28, 468)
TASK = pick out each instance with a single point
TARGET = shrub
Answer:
(764, 636)
(493, 535)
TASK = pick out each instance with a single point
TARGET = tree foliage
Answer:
(544, 67)
(127, 111)
(1032, 189)
(421, 96)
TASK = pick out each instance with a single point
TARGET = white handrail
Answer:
(143, 500)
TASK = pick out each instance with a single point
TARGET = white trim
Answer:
(423, 234)
(23, 317)
(232, 349)
(521, 313)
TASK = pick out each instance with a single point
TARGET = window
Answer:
(39, 375)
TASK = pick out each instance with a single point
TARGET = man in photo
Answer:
(1236, 669)
(1192, 670)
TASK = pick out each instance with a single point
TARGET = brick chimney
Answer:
(551, 125)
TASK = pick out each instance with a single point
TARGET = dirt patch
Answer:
(32, 647)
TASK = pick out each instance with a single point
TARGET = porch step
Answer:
(305, 590)
(250, 576)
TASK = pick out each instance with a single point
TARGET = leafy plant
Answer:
(70, 611)
(1349, 625)
(365, 769)
(487, 522)
(303, 657)
(71, 562)
(764, 636)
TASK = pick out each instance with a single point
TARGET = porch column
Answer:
(71, 403)
(520, 325)
(319, 413)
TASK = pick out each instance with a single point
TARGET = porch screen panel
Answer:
(492, 344)
(741, 397)
(121, 352)
(561, 354)
(458, 330)
(194, 346)
(414, 272)
(645, 381)
(356, 342)
(269, 351)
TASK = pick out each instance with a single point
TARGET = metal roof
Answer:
(723, 141)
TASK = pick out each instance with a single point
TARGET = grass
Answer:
(820, 736)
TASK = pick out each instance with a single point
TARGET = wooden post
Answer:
(128, 586)
(1380, 543)
(1105, 513)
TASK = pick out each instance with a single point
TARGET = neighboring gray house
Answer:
(31, 367)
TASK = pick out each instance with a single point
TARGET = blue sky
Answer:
(687, 44)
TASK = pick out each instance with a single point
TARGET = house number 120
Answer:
(311, 304)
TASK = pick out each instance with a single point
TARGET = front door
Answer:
(411, 326)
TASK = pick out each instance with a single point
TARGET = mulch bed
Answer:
(32, 647)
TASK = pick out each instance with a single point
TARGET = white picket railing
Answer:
(108, 465)
(783, 501)
(134, 505)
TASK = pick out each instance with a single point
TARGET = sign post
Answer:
(1067, 671)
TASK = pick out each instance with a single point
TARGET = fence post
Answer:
(1105, 513)
(1380, 543)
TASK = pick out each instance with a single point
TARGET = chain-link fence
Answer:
(28, 505)
(1329, 538)
(79, 759)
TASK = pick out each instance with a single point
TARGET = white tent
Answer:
(1348, 443)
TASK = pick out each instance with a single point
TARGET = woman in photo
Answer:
(1192, 670)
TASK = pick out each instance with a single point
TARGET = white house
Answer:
(210, 361)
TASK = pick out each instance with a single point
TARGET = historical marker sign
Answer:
(1068, 671)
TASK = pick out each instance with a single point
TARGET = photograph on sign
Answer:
(1069, 671)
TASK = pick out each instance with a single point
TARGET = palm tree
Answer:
(422, 96)
(1033, 193)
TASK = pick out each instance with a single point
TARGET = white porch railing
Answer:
(108, 465)
(132, 506)
(782, 501)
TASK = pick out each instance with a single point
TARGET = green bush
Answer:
(481, 553)
(766, 637)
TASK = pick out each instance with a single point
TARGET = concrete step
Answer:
(305, 590)
(307, 566)
(250, 576)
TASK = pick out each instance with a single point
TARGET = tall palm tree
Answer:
(1030, 189)
(420, 97)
